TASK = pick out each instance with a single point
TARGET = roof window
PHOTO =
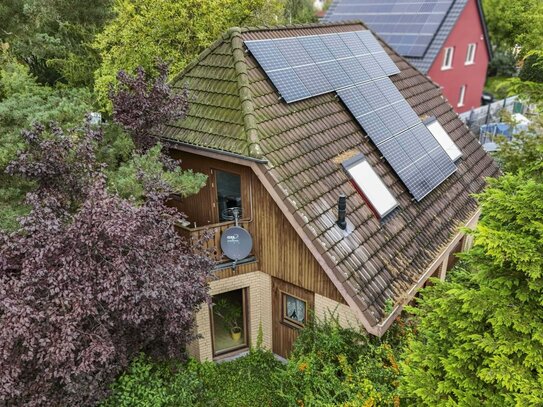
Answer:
(369, 185)
(443, 138)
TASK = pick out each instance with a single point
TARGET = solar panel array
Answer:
(405, 142)
(356, 66)
(408, 26)
(303, 67)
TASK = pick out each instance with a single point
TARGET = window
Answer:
(448, 58)
(228, 321)
(228, 194)
(443, 139)
(470, 55)
(370, 186)
(294, 311)
(462, 95)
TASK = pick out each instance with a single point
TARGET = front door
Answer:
(292, 306)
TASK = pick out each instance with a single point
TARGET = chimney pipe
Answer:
(341, 210)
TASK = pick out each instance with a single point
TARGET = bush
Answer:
(331, 365)
(242, 382)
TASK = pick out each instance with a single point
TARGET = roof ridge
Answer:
(245, 94)
(298, 26)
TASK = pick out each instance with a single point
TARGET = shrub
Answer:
(331, 365)
(242, 382)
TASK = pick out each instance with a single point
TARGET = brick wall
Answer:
(326, 307)
(258, 286)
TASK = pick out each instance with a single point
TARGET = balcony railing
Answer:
(213, 234)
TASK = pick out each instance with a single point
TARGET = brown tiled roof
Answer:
(236, 109)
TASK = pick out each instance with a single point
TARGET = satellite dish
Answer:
(236, 243)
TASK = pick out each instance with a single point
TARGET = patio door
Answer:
(229, 322)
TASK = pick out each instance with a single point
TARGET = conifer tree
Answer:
(480, 335)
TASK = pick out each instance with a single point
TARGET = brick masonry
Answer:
(259, 291)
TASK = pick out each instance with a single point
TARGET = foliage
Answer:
(529, 91)
(22, 103)
(532, 67)
(53, 37)
(126, 180)
(524, 152)
(502, 64)
(241, 382)
(514, 22)
(479, 339)
(299, 12)
(142, 104)
(174, 31)
(230, 313)
(90, 279)
(332, 366)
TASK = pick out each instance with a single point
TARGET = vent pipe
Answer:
(341, 210)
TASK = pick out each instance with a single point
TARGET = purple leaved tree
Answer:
(90, 279)
(141, 104)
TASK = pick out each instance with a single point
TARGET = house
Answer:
(446, 40)
(327, 224)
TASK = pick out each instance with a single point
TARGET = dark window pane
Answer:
(228, 194)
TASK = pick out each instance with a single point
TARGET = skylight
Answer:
(443, 139)
(370, 185)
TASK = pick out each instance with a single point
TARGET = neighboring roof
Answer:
(349, 13)
(236, 109)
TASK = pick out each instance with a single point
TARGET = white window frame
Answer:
(443, 138)
(370, 185)
(448, 54)
(462, 96)
(470, 54)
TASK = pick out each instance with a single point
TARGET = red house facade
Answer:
(460, 67)
(446, 40)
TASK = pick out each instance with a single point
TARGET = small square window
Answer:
(294, 310)
(470, 55)
(448, 58)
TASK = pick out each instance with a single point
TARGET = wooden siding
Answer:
(278, 249)
(284, 334)
(202, 208)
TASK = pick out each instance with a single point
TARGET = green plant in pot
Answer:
(230, 313)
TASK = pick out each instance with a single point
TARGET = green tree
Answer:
(480, 336)
(300, 11)
(515, 22)
(22, 103)
(53, 37)
(174, 31)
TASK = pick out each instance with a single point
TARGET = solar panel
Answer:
(407, 26)
(355, 66)
(405, 142)
(321, 63)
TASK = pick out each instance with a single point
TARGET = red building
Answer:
(445, 39)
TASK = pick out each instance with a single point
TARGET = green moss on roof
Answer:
(221, 113)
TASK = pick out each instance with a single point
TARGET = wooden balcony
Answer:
(211, 237)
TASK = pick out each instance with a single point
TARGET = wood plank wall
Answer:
(279, 250)
(284, 335)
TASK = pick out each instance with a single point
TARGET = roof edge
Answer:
(245, 94)
(485, 29)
